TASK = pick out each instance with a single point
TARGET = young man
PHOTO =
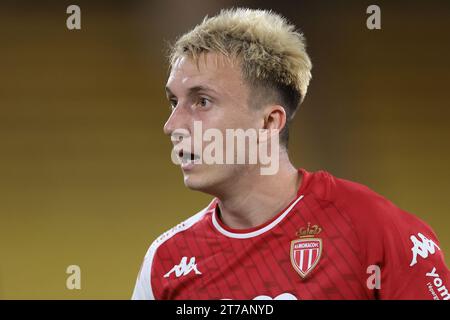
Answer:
(291, 234)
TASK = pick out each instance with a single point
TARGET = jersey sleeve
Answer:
(143, 288)
(401, 254)
(413, 265)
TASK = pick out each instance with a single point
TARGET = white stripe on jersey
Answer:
(143, 289)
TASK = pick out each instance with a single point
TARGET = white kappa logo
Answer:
(183, 268)
(422, 247)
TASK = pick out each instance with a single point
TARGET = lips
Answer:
(187, 157)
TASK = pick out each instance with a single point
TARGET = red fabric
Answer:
(359, 228)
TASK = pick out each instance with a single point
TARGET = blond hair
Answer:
(271, 52)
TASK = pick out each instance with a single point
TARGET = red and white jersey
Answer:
(336, 240)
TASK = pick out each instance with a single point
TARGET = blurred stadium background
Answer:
(85, 170)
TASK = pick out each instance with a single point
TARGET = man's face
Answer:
(215, 94)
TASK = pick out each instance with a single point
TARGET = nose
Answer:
(177, 122)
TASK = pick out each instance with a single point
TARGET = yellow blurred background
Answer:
(85, 172)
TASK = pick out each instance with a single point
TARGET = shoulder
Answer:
(369, 208)
(359, 202)
(144, 288)
(379, 224)
(172, 233)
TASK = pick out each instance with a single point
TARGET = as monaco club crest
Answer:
(306, 251)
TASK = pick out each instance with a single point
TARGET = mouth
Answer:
(187, 158)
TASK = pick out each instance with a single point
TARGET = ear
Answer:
(275, 118)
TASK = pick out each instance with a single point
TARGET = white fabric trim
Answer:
(143, 288)
(257, 232)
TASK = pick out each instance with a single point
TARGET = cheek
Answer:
(244, 120)
(239, 117)
(228, 117)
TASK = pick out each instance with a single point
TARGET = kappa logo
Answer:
(183, 268)
(422, 247)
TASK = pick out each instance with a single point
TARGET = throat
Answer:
(255, 209)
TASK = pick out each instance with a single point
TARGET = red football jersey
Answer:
(336, 240)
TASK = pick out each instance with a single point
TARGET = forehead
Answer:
(211, 69)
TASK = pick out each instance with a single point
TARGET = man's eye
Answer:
(173, 104)
(203, 102)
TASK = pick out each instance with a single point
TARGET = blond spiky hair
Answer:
(270, 49)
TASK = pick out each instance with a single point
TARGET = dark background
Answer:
(85, 170)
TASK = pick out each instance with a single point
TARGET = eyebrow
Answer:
(191, 90)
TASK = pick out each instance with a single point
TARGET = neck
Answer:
(254, 198)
